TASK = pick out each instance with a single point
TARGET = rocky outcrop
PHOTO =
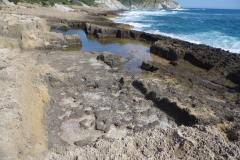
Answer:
(32, 33)
(111, 59)
(203, 56)
(149, 66)
(152, 4)
(63, 8)
(100, 31)
(167, 50)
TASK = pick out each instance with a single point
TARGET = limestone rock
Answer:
(111, 4)
(73, 39)
(63, 8)
(167, 50)
(100, 31)
(152, 4)
(110, 59)
(149, 66)
(32, 33)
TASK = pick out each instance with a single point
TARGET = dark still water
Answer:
(123, 47)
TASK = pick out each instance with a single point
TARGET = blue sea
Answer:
(218, 28)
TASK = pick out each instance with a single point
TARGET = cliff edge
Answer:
(146, 4)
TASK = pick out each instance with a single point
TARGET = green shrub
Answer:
(88, 2)
(130, 2)
(52, 2)
(14, 1)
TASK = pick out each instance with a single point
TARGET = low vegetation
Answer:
(51, 2)
(130, 2)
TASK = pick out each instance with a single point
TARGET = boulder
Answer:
(100, 31)
(149, 66)
(110, 59)
(73, 39)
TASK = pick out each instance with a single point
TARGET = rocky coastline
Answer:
(68, 105)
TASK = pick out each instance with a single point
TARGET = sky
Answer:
(223, 4)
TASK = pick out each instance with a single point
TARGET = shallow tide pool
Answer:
(132, 50)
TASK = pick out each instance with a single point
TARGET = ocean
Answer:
(218, 28)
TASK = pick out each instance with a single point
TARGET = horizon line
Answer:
(209, 8)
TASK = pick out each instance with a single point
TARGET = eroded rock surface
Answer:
(184, 111)
(164, 143)
(159, 115)
(110, 59)
(87, 106)
(28, 32)
(23, 96)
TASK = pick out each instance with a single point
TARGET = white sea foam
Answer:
(180, 9)
(140, 20)
(212, 38)
(139, 26)
(137, 13)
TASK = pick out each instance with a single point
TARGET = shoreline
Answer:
(188, 89)
(196, 40)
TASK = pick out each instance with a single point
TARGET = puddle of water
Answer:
(209, 82)
(119, 46)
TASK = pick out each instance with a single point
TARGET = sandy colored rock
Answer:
(23, 96)
(31, 32)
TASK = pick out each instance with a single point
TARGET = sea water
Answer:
(218, 28)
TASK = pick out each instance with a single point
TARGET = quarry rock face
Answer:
(32, 33)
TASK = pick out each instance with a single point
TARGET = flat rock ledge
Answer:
(114, 61)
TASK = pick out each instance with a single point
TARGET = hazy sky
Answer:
(229, 4)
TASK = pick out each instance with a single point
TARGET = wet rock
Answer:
(174, 63)
(203, 56)
(235, 76)
(135, 34)
(100, 35)
(110, 59)
(167, 50)
(82, 143)
(148, 37)
(149, 66)
(100, 31)
(73, 39)
(123, 33)
(63, 27)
